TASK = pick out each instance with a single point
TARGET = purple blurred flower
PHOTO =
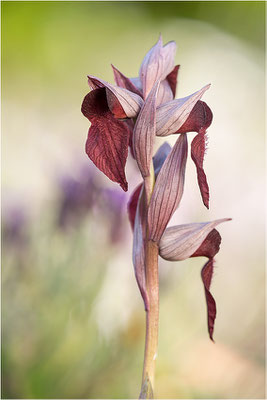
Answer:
(77, 197)
(83, 194)
(14, 226)
(113, 205)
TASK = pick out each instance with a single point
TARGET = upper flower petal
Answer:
(157, 64)
(145, 131)
(168, 189)
(124, 82)
(108, 138)
(122, 103)
(171, 116)
(167, 89)
(181, 241)
(168, 52)
(165, 93)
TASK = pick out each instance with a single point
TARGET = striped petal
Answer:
(122, 103)
(168, 189)
(144, 132)
(157, 64)
(181, 241)
(171, 116)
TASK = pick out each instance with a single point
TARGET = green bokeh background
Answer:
(72, 317)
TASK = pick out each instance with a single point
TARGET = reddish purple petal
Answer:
(130, 124)
(172, 79)
(130, 102)
(206, 275)
(124, 82)
(95, 103)
(108, 138)
(114, 105)
(209, 248)
(198, 147)
(199, 120)
(132, 204)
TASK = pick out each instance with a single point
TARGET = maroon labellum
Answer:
(108, 137)
(194, 240)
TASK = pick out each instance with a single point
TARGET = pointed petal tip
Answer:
(206, 87)
(124, 186)
(224, 220)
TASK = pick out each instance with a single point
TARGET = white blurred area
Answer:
(42, 137)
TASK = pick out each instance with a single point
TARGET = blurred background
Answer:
(72, 317)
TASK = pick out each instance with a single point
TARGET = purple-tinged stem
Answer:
(152, 320)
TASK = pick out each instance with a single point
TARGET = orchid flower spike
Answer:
(132, 114)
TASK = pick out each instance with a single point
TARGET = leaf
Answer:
(168, 190)
(108, 138)
(144, 132)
